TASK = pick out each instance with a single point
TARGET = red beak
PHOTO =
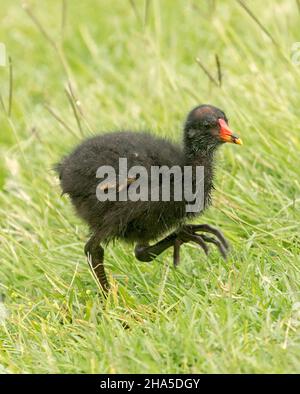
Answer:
(226, 135)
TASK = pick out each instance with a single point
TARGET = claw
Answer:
(219, 245)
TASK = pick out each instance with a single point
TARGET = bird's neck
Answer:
(203, 158)
(200, 157)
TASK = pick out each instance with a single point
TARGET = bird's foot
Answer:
(190, 233)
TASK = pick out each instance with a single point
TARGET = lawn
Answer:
(84, 67)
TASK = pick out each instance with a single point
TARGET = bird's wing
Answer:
(119, 186)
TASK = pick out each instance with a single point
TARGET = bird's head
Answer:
(206, 127)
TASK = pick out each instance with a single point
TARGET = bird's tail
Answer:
(58, 168)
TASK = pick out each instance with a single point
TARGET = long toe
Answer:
(219, 245)
(199, 241)
(207, 228)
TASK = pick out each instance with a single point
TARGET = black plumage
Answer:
(143, 221)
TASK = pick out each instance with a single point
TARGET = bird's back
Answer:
(139, 220)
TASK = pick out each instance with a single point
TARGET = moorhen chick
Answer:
(205, 130)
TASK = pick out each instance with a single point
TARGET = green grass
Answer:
(209, 316)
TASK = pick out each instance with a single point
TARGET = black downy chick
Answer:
(139, 222)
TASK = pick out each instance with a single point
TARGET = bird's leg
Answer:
(95, 256)
(175, 239)
(186, 233)
(150, 252)
(176, 252)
